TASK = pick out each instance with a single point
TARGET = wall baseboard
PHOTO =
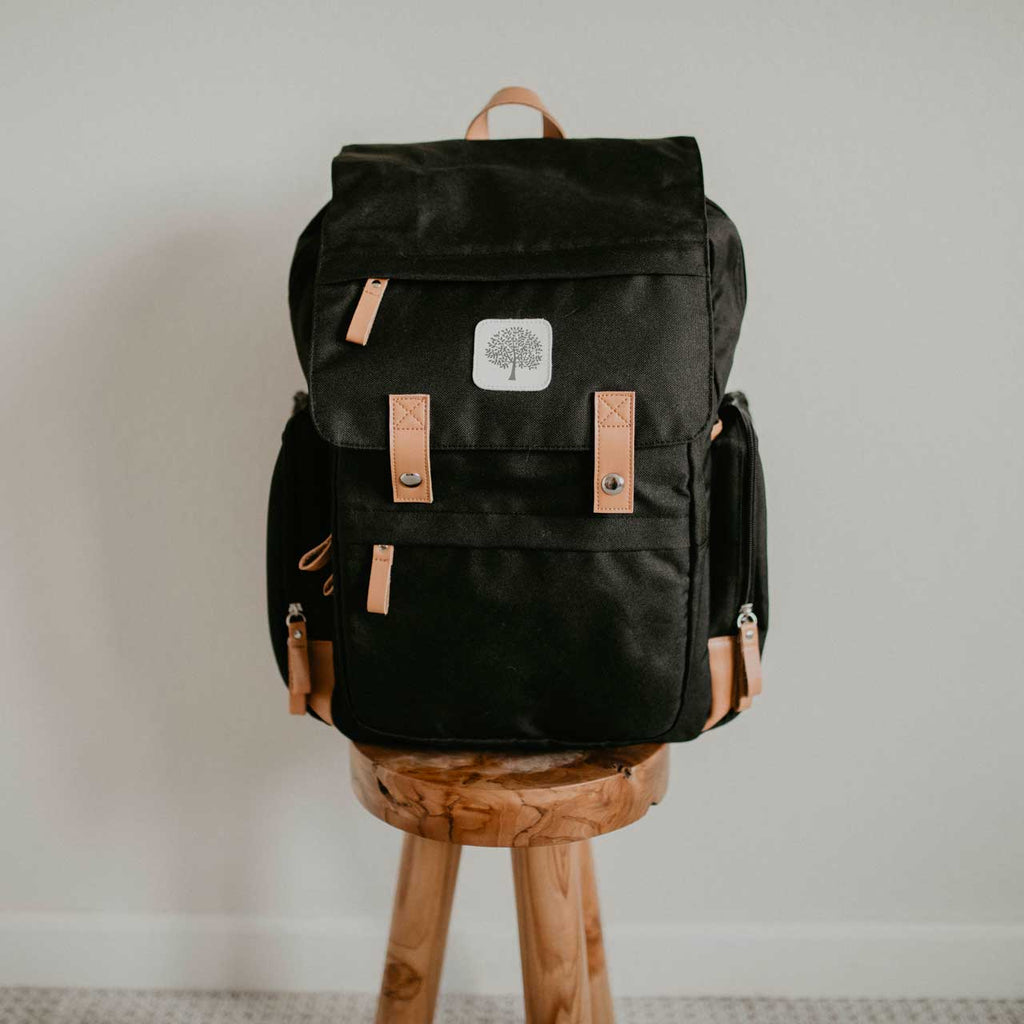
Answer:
(223, 952)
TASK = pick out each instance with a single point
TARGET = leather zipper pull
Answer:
(378, 594)
(366, 311)
(317, 557)
(299, 680)
(748, 664)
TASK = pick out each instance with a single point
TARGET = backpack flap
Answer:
(521, 278)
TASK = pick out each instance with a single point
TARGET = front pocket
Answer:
(515, 644)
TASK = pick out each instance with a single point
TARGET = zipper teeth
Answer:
(750, 504)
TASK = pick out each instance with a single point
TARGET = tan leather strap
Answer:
(478, 128)
(409, 421)
(320, 675)
(735, 663)
(318, 557)
(722, 660)
(716, 429)
(321, 668)
(366, 311)
(378, 594)
(299, 684)
(748, 676)
(613, 451)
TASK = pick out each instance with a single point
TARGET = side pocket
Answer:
(738, 620)
(298, 518)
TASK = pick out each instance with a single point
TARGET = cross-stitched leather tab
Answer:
(409, 417)
(613, 451)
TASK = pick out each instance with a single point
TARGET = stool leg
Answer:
(597, 967)
(551, 941)
(419, 928)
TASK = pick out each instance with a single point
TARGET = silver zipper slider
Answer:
(747, 683)
(295, 613)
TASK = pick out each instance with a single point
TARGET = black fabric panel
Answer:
(484, 646)
(503, 207)
(552, 484)
(301, 281)
(687, 259)
(411, 524)
(298, 518)
(693, 712)
(645, 334)
(728, 290)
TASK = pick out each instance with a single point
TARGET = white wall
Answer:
(165, 822)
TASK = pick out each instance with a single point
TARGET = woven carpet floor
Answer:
(88, 1006)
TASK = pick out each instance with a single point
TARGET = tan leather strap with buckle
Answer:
(409, 421)
(613, 451)
(478, 127)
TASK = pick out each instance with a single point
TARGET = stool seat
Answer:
(499, 799)
(545, 807)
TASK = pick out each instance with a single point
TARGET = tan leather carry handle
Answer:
(522, 97)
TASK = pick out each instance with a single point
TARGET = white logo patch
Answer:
(512, 355)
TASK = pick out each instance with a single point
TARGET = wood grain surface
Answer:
(556, 988)
(601, 1009)
(419, 930)
(499, 799)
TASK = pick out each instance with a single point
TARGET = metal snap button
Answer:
(411, 479)
(613, 484)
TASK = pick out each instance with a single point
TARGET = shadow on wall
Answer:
(160, 377)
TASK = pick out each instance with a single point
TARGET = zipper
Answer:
(299, 679)
(749, 507)
(748, 678)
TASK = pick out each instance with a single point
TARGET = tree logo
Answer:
(514, 347)
(512, 355)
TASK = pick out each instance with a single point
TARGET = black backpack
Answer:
(516, 509)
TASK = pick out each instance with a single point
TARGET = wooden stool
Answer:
(546, 808)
